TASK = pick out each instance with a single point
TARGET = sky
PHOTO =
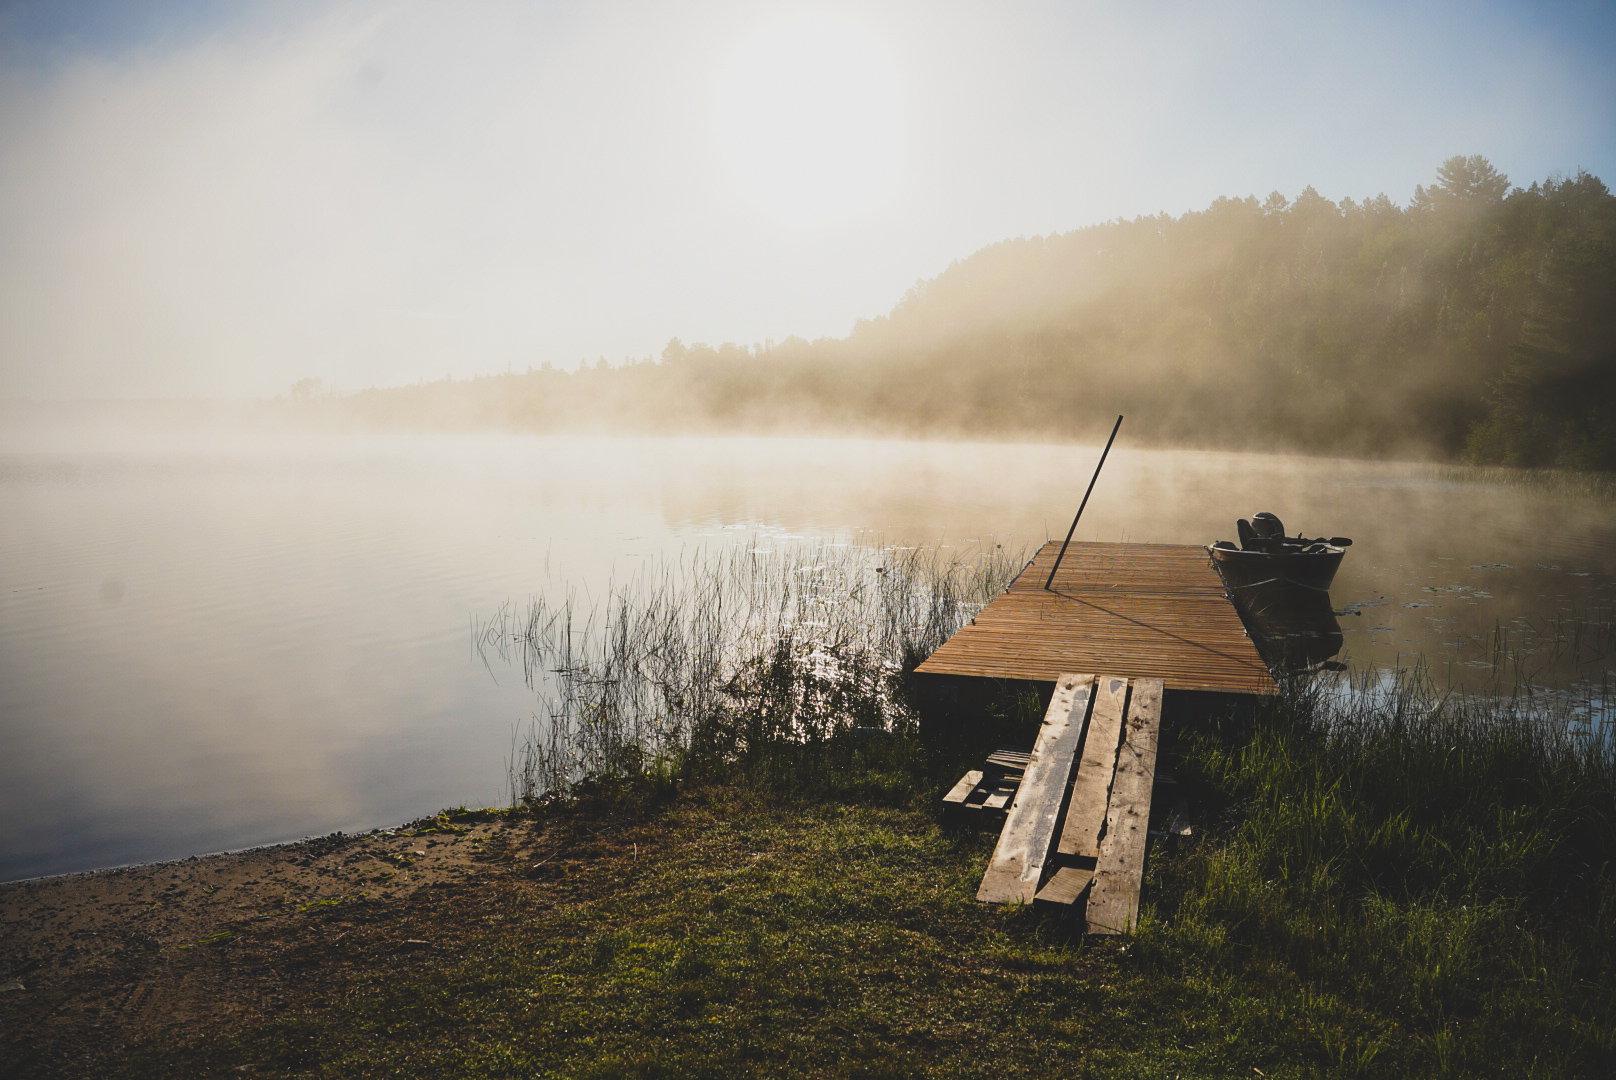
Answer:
(211, 199)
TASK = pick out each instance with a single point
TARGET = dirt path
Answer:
(92, 963)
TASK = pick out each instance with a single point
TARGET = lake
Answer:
(219, 636)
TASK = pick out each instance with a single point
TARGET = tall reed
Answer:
(724, 653)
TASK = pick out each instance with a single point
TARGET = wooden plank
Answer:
(1066, 885)
(962, 790)
(1091, 792)
(1131, 610)
(1114, 897)
(1024, 846)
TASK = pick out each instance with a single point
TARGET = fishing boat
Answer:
(1267, 556)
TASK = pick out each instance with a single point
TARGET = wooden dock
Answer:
(1136, 611)
(1146, 619)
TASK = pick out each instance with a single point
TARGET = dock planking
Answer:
(1140, 611)
(1025, 844)
(1113, 906)
(1151, 615)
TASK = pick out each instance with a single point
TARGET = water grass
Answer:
(1561, 666)
(1588, 484)
(733, 654)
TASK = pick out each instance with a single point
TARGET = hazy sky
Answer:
(216, 198)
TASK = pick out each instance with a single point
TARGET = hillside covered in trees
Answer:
(1477, 321)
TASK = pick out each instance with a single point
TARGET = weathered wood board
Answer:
(1091, 792)
(1113, 906)
(1017, 866)
(980, 799)
(962, 790)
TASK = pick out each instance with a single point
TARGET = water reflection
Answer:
(210, 639)
(1294, 628)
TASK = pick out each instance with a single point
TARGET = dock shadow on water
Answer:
(730, 653)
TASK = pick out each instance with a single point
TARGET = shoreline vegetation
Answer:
(1395, 881)
(1477, 323)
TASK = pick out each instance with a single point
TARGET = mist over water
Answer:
(213, 637)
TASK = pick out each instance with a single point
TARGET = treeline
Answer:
(1478, 321)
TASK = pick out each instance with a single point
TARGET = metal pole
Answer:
(1082, 504)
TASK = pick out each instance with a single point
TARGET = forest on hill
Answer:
(1478, 321)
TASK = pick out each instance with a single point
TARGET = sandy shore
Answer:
(91, 963)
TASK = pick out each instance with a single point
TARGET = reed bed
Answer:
(722, 654)
(1566, 483)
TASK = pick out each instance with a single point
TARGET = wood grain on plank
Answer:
(1133, 610)
(1091, 793)
(1114, 897)
(1024, 846)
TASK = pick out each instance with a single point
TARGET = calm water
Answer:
(215, 639)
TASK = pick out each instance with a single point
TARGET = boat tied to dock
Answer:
(1265, 556)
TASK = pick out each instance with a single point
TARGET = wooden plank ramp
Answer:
(1091, 792)
(1077, 829)
(1113, 906)
(1017, 867)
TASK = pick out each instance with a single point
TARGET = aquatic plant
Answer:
(725, 652)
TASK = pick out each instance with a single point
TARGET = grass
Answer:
(1442, 868)
(1385, 883)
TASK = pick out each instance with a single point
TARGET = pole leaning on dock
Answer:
(1067, 542)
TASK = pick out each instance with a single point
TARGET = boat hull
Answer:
(1249, 569)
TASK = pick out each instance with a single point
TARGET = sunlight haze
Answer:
(810, 120)
(204, 199)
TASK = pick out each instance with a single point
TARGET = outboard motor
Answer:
(1267, 526)
(1264, 532)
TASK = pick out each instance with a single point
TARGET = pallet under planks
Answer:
(983, 795)
(1064, 835)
